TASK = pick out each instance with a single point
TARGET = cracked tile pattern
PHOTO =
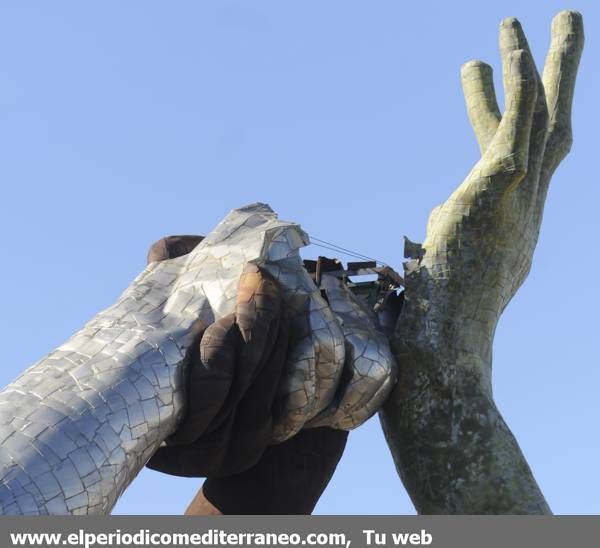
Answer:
(77, 426)
(451, 445)
(369, 367)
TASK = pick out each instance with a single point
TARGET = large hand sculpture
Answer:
(450, 443)
(78, 426)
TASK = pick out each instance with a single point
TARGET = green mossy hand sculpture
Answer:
(451, 446)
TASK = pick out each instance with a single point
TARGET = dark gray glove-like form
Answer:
(244, 353)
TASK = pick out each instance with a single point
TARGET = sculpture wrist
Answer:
(450, 444)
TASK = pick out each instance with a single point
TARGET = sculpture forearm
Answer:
(79, 425)
(450, 444)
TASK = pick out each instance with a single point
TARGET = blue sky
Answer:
(122, 122)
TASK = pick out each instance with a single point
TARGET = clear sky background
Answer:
(121, 122)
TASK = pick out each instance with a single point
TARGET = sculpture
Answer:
(451, 447)
(80, 424)
(450, 444)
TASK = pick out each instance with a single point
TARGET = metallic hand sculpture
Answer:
(450, 443)
(78, 425)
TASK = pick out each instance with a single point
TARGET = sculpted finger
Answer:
(505, 161)
(512, 38)
(209, 379)
(560, 73)
(170, 247)
(255, 327)
(369, 368)
(247, 350)
(238, 435)
(314, 363)
(253, 424)
(258, 308)
(480, 97)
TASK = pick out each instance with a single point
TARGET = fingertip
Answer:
(252, 279)
(258, 305)
(510, 23)
(511, 34)
(510, 27)
(567, 27)
(569, 19)
(521, 76)
(475, 65)
(520, 62)
(248, 284)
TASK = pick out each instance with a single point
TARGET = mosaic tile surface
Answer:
(78, 425)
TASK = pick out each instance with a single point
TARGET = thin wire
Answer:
(338, 249)
(355, 253)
